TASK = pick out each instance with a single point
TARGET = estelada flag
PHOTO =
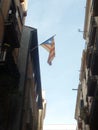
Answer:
(49, 45)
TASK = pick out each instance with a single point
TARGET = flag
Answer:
(49, 45)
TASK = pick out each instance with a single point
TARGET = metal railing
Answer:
(2, 55)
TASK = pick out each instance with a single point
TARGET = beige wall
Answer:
(5, 7)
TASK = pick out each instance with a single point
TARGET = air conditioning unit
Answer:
(96, 20)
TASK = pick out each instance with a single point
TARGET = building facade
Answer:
(86, 112)
(20, 82)
(30, 81)
(12, 16)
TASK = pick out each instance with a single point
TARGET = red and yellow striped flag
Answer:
(49, 45)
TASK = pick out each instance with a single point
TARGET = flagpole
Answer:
(34, 48)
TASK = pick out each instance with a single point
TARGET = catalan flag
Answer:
(49, 45)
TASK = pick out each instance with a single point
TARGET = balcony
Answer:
(2, 55)
(94, 63)
(12, 33)
(95, 7)
(96, 41)
(9, 73)
(94, 114)
(89, 56)
(92, 31)
(84, 115)
(79, 124)
(91, 86)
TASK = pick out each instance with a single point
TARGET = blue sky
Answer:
(63, 18)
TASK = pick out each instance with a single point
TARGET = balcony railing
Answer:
(94, 63)
(3, 52)
(94, 112)
(12, 32)
(8, 67)
(92, 31)
(96, 41)
(2, 56)
(91, 85)
(95, 7)
(89, 56)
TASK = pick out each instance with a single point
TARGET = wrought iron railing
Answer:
(2, 54)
